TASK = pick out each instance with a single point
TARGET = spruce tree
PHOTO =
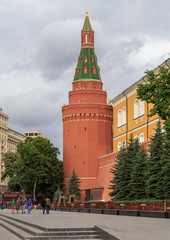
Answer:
(154, 165)
(117, 171)
(56, 196)
(137, 182)
(132, 149)
(121, 183)
(74, 185)
(164, 179)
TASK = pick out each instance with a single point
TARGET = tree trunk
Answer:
(34, 199)
(24, 196)
(35, 184)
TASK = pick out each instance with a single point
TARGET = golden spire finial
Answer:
(87, 11)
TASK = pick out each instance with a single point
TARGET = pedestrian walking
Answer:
(29, 204)
(13, 206)
(47, 205)
(43, 204)
(18, 205)
(22, 208)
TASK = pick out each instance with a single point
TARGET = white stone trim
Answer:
(119, 101)
(108, 165)
(138, 128)
(131, 93)
(85, 178)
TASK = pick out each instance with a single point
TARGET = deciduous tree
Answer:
(157, 92)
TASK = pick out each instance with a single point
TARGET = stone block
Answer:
(129, 213)
(153, 214)
(97, 211)
(111, 211)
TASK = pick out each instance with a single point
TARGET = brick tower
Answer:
(87, 119)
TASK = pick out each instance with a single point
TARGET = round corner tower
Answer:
(87, 119)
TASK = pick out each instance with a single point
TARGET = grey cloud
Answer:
(40, 45)
(58, 47)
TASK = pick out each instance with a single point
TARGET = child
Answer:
(13, 206)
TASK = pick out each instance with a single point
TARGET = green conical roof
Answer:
(87, 25)
(90, 64)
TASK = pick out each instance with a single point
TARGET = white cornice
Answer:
(138, 128)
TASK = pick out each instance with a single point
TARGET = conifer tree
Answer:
(137, 182)
(74, 185)
(117, 171)
(164, 178)
(56, 196)
(155, 164)
(121, 183)
(132, 149)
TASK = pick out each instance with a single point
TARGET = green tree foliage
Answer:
(57, 195)
(132, 150)
(121, 184)
(164, 180)
(117, 171)
(10, 160)
(37, 167)
(155, 164)
(157, 92)
(137, 182)
(74, 185)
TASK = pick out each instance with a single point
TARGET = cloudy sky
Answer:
(40, 44)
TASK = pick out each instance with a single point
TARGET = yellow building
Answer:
(130, 115)
(8, 142)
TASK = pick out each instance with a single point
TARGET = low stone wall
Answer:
(129, 206)
(135, 213)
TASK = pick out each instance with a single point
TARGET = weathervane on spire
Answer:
(87, 11)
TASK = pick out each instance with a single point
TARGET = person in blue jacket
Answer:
(29, 203)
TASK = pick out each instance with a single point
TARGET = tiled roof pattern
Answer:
(87, 25)
(89, 52)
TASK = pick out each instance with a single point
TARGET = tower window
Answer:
(92, 59)
(86, 39)
(85, 128)
(85, 70)
(94, 70)
(85, 59)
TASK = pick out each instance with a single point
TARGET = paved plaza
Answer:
(122, 227)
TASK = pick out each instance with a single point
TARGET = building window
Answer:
(123, 115)
(119, 146)
(136, 108)
(139, 108)
(119, 117)
(141, 138)
(142, 107)
(136, 137)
